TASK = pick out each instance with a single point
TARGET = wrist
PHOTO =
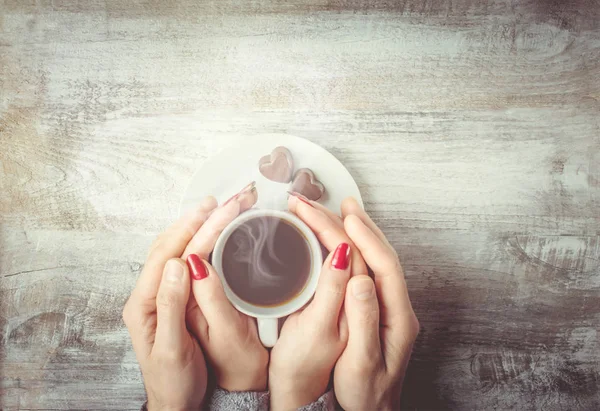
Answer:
(281, 401)
(256, 383)
(153, 406)
(295, 394)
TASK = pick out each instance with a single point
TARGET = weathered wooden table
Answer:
(472, 128)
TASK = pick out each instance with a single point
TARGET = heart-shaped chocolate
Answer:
(307, 184)
(277, 166)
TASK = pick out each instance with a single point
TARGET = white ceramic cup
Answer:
(268, 316)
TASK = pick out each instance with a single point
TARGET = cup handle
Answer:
(268, 331)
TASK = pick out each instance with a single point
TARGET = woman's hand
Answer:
(170, 358)
(382, 324)
(312, 340)
(327, 226)
(228, 337)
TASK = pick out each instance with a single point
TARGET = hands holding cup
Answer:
(382, 324)
(175, 332)
(311, 340)
(362, 329)
(172, 363)
(377, 322)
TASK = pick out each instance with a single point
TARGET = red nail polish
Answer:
(249, 187)
(198, 270)
(300, 197)
(341, 257)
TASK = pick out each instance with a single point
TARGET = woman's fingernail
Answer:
(341, 257)
(249, 187)
(198, 270)
(239, 197)
(363, 289)
(173, 272)
(300, 197)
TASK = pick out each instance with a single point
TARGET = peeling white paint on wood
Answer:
(472, 129)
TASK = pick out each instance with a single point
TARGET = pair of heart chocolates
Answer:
(279, 167)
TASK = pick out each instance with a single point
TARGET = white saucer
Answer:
(232, 169)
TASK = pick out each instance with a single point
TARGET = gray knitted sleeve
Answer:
(222, 400)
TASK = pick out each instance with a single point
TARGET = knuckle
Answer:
(212, 230)
(369, 316)
(127, 314)
(337, 289)
(160, 237)
(213, 298)
(133, 318)
(130, 314)
(391, 267)
(397, 267)
(167, 299)
(325, 231)
(156, 244)
(414, 326)
(400, 343)
(189, 230)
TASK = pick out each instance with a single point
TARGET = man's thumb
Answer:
(171, 303)
(362, 310)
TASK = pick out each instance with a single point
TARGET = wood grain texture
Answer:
(472, 128)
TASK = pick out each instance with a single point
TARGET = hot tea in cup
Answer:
(266, 261)
(269, 262)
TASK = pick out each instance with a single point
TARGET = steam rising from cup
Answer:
(255, 248)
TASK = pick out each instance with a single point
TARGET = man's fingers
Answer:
(351, 207)
(326, 230)
(204, 240)
(331, 289)
(170, 244)
(171, 302)
(205, 207)
(389, 277)
(362, 312)
(141, 328)
(210, 296)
